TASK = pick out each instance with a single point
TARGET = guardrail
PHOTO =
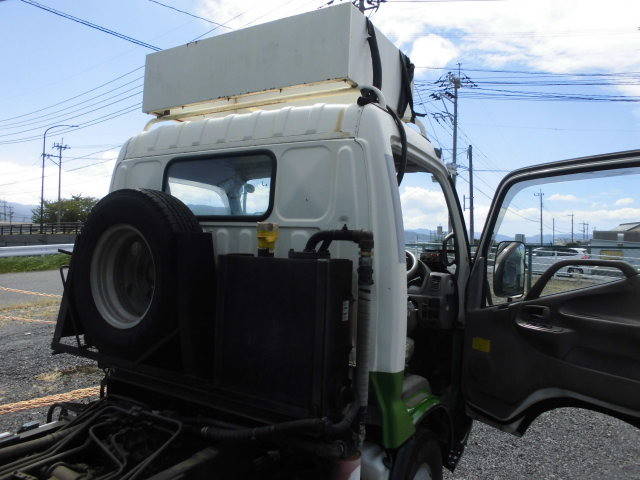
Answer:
(36, 228)
(34, 250)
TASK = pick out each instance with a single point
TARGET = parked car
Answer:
(544, 257)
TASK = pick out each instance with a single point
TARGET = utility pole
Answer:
(362, 4)
(456, 87)
(4, 210)
(60, 147)
(585, 230)
(44, 156)
(10, 214)
(553, 231)
(449, 85)
(540, 194)
(471, 225)
(571, 215)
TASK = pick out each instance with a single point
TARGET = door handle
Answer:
(537, 318)
(537, 312)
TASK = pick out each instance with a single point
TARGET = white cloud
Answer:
(423, 208)
(625, 201)
(558, 197)
(433, 50)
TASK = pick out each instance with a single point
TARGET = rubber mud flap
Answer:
(422, 451)
(125, 270)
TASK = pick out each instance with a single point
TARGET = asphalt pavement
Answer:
(47, 283)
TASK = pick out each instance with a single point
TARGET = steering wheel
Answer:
(412, 264)
(417, 270)
(445, 258)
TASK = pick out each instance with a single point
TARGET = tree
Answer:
(74, 209)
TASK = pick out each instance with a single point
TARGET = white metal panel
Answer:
(306, 175)
(145, 174)
(277, 126)
(320, 50)
(389, 291)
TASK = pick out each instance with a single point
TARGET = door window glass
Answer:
(571, 218)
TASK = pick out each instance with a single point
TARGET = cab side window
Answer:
(563, 221)
(425, 215)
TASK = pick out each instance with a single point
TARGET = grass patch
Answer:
(33, 264)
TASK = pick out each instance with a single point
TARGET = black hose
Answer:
(29, 446)
(307, 425)
(337, 449)
(376, 64)
(403, 145)
(363, 238)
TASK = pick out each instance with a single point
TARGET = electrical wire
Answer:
(76, 96)
(188, 13)
(89, 123)
(48, 120)
(92, 25)
(73, 117)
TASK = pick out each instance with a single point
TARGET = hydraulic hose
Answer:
(308, 425)
(363, 238)
(24, 448)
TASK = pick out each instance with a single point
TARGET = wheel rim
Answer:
(122, 276)
(423, 473)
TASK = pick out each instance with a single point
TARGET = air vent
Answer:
(434, 284)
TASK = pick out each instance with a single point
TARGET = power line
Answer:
(188, 13)
(89, 123)
(78, 95)
(532, 72)
(92, 25)
(72, 117)
(52, 115)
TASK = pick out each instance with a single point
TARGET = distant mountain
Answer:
(21, 212)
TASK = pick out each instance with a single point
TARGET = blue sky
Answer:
(48, 59)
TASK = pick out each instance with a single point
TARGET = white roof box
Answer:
(320, 56)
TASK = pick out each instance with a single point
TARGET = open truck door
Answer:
(535, 341)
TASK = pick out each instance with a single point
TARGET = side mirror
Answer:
(509, 269)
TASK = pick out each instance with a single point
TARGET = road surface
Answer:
(46, 283)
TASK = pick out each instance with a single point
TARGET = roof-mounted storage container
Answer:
(317, 57)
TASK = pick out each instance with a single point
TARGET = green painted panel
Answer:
(397, 422)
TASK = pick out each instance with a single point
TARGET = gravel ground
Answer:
(564, 444)
(28, 368)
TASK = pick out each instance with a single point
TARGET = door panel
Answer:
(579, 347)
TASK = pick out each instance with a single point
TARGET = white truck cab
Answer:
(247, 286)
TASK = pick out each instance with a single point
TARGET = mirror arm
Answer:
(536, 290)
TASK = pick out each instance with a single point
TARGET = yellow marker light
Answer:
(267, 233)
(481, 344)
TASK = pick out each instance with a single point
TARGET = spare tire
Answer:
(124, 271)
